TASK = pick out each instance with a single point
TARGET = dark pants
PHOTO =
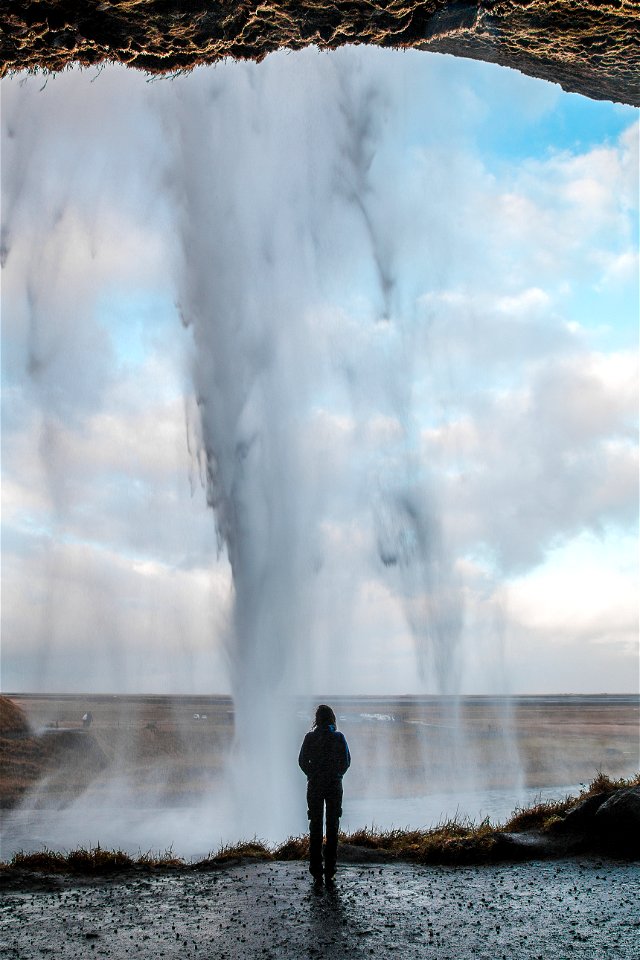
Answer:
(319, 797)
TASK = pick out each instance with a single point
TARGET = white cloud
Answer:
(91, 619)
(550, 451)
(532, 300)
(577, 613)
(620, 268)
(567, 600)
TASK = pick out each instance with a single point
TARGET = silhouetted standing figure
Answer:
(324, 757)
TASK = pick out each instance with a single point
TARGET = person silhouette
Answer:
(324, 758)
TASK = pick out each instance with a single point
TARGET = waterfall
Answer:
(282, 233)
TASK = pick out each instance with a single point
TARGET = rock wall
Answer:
(588, 46)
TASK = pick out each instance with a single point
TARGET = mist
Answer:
(282, 350)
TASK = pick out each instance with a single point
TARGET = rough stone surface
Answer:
(590, 47)
(619, 818)
(582, 815)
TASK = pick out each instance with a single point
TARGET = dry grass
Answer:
(22, 757)
(453, 841)
(92, 860)
(13, 720)
(161, 859)
(83, 861)
(295, 848)
(245, 850)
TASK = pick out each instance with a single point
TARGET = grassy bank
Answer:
(450, 842)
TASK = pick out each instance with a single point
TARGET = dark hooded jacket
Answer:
(324, 756)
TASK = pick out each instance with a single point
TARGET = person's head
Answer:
(324, 716)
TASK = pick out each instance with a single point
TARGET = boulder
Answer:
(580, 818)
(618, 820)
(353, 853)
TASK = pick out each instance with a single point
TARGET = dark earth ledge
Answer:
(587, 46)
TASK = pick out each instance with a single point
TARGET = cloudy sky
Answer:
(381, 309)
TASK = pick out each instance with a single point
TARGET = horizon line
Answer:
(325, 696)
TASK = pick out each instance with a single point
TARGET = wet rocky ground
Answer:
(568, 909)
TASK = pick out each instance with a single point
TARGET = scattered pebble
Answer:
(569, 910)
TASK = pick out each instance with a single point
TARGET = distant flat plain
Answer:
(404, 746)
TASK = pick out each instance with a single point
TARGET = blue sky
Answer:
(557, 122)
(492, 384)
